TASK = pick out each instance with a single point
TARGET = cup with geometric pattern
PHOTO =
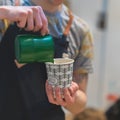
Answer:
(60, 73)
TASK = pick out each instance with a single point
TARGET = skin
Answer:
(75, 97)
(31, 18)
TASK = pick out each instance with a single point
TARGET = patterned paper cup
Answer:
(60, 73)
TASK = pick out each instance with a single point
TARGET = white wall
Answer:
(112, 75)
(107, 46)
(86, 9)
(89, 10)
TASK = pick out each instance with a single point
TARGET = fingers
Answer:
(29, 21)
(44, 29)
(50, 94)
(18, 64)
(32, 18)
(73, 88)
(37, 19)
(61, 96)
(21, 18)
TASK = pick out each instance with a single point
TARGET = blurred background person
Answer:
(113, 112)
(90, 114)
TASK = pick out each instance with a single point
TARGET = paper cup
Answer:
(60, 73)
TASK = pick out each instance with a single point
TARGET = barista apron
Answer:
(22, 90)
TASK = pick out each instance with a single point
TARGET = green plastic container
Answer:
(34, 48)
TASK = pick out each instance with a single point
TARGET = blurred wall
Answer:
(105, 79)
(112, 71)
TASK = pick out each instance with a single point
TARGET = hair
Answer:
(90, 114)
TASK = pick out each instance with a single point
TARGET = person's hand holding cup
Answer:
(60, 73)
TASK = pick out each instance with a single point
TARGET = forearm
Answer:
(80, 95)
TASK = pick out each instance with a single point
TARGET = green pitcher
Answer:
(34, 48)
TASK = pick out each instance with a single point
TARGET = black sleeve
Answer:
(10, 102)
(7, 43)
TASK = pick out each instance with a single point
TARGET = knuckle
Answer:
(23, 14)
(36, 10)
(30, 12)
(40, 8)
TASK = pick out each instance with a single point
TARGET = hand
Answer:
(61, 96)
(31, 18)
(18, 64)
